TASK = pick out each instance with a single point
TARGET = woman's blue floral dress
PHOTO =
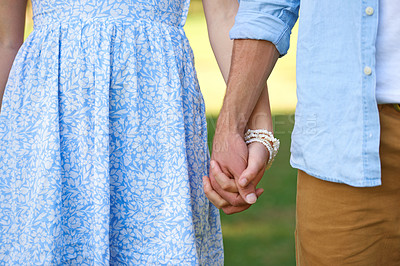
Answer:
(103, 140)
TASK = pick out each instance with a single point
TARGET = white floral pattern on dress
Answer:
(103, 140)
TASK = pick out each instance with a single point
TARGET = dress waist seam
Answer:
(123, 21)
(125, 17)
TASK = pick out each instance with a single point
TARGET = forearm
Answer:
(220, 17)
(261, 117)
(7, 55)
(252, 63)
(12, 21)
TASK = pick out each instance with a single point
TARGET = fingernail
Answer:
(212, 164)
(243, 182)
(251, 198)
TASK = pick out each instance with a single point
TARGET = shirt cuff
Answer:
(251, 23)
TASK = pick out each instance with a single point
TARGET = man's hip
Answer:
(342, 225)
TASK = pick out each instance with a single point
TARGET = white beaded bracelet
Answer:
(266, 138)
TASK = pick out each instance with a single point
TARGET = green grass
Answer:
(264, 234)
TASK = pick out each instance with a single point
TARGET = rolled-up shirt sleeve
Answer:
(270, 20)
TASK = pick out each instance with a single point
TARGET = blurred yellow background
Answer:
(282, 82)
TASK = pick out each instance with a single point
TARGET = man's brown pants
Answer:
(342, 225)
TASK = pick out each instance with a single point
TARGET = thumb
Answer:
(248, 192)
(255, 166)
(247, 181)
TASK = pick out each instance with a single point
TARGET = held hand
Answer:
(231, 153)
(229, 168)
(243, 163)
(232, 202)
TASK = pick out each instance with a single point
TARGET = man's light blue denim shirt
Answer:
(336, 133)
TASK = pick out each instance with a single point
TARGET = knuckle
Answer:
(225, 186)
(223, 204)
(213, 181)
(219, 176)
(228, 211)
(213, 172)
(213, 186)
(207, 189)
(232, 210)
(238, 202)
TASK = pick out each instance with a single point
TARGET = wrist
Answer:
(266, 138)
(231, 122)
(261, 117)
(260, 121)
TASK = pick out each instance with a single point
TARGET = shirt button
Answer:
(369, 11)
(367, 71)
